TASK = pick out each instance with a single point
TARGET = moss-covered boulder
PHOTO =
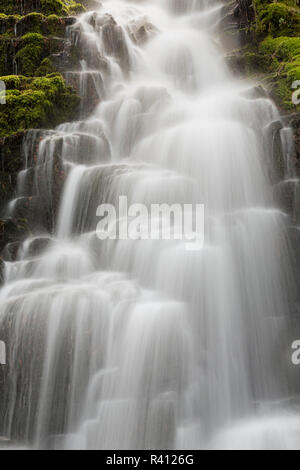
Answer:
(271, 47)
(7, 55)
(47, 7)
(277, 18)
(32, 103)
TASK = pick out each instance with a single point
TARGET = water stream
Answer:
(125, 344)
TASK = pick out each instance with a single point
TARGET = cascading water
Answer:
(124, 344)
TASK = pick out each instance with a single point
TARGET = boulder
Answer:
(12, 230)
(141, 30)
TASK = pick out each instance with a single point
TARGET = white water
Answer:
(143, 344)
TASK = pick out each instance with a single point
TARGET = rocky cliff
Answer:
(35, 53)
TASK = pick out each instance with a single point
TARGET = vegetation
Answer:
(29, 37)
(277, 18)
(275, 47)
(47, 7)
(36, 102)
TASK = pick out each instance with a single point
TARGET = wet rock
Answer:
(7, 56)
(114, 41)
(53, 26)
(255, 92)
(27, 208)
(1, 275)
(32, 139)
(12, 162)
(12, 230)
(67, 58)
(140, 31)
(16, 54)
(10, 251)
(279, 162)
(295, 123)
(91, 4)
(50, 42)
(50, 178)
(47, 7)
(178, 6)
(37, 246)
(245, 14)
(287, 195)
(274, 148)
(89, 86)
(32, 247)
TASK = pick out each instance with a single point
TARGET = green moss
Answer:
(285, 51)
(59, 7)
(274, 49)
(47, 7)
(15, 82)
(7, 24)
(30, 54)
(41, 102)
(35, 21)
(284, 48)
(3, 50)
(52, 25)
(278, 19)
(56, 7)
(8, 7)
(45, 68)
(55, 25)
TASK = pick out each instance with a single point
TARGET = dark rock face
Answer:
(295, 123)
(12, 230)
(7, 56)
(48, 7)
(14, 61)
(11, 164)
(244, 10)
(89, 86)
(34, 198)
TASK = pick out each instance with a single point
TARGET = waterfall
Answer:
(144, 344)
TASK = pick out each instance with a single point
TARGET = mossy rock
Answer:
(52, 25)
(283, 53)
(7, 52)
(31, 53)
(12, 230)
(47, 7)
(278, 18)
(33, 49)
(16, 25)
(33, 103)
(12, 163)
(273, 51)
